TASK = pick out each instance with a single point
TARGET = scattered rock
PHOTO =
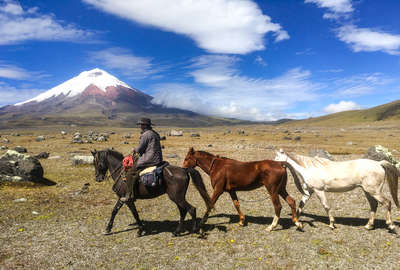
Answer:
(297, 131)
(20, 149)
(210, 145)
(297, 138)
(102, 139)
(111, 132)
(286, 131)
(342, 130)
(42, 155)
(195, 135)
(40, 138)
(3, 147)
(175, 133)
(126, 142)
(20, 200)
(322, 153)
(163, 138)
(78, 160)
(172, 156)
(378, 153)
(349, 143)
(35, 213)
(287, 138)
(127, 136)
(15, 166)
(241, 132)
(15, 134)
(5, 140)
(63, 132)
(77, 140)
(240, 146)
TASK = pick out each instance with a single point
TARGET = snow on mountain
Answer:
(77, 85)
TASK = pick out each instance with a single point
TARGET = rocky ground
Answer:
(61, 226)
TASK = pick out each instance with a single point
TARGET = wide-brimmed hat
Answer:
(144, 121)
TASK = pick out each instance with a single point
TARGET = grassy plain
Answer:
(57, 228)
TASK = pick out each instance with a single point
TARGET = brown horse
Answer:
(231, 175)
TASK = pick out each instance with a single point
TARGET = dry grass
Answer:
(67, 231)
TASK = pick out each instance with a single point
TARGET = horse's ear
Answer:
(93, 152)
(191, 150)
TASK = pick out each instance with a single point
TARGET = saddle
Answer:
(153, 176)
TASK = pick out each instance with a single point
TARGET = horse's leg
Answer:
(322, 197)
(374, 205)
(308, 193)
(218, 190)
(117, 206)
(388, 204)
(277, 206)
(134, 212)
(237, 206)
(292, 204)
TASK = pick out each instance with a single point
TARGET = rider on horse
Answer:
(150, 154)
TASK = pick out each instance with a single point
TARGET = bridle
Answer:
(197, 164)
(107, 177)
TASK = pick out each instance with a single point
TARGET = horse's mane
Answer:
(207, 153)
(103, 153)
(307, 162)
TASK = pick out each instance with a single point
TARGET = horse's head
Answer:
(100, 165)
(190, 160)
(281, 155)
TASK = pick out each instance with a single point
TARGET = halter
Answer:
(107, 177)
(211, 165)
(197, 164)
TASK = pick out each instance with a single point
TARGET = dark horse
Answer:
(175, 184)
(231, 175)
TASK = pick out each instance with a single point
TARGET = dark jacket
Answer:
(149, 149)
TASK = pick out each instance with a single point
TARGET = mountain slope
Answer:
(389, 111)
(97, 98)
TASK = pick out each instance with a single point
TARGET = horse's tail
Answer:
(296, 176)
(391, 174)
(199, 184)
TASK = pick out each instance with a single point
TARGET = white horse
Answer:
(319, 175)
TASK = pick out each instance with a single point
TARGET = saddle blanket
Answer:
(152, 176)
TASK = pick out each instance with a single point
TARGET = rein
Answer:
(114, 171)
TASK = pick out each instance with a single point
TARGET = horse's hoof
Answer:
(392, 228)
(299, 225)
(269, 229)
(242, 223)
(369, 227)
(140, 231)
(107, 232)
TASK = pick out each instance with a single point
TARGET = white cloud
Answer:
(362, 84)
(261, 61)
(18, 25)
(365, 39)
(125, 62)
(342, 106)
(222, 91)
(13, 72)
(218, 26)
(11, 94)
(337, 8)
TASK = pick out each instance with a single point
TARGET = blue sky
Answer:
(247, 59)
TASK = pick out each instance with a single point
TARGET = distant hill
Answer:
(389, 111)
(96, 98)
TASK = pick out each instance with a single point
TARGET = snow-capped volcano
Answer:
(77, 85)
(96, 98)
